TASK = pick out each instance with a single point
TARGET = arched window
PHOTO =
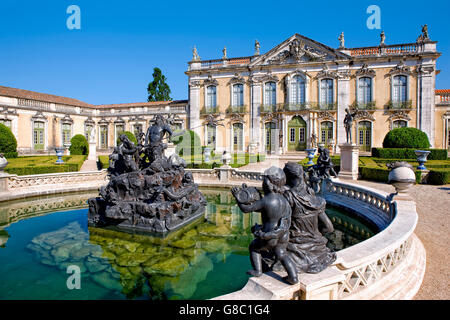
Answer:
(270, 94)
(103, 137)
(364, 90)
(326, 132)
(326, 93)
(238, 137)
(298, 90)
(238, 95)
(211, 98)
(399, 93)
(399, 124)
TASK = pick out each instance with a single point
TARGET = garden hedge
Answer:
(79, 145)
(8, 142)
(44, 164)
(408, 153)
(439, 176)
(406, 138)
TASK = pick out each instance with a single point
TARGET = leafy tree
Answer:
(158, 89)
(406, 138)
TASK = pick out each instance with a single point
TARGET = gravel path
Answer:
(433, 207)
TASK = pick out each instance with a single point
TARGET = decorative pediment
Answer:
(195, 83)
(103, 122)
(263, 78)
(271, 117)
(210, 81)
(425, 69)
(298, 49)
(213, 120)
(236, 117)
(236, 79)
(89, 122)
(364, 115)
(400, 68)
(67, 119)
(326, 115)
(327, 73)
(6, 111)
(119, 121)
(399, 115)
(365, 71)
(39, 116)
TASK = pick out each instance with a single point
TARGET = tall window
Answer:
(270, 94)
(211, 98)
(364, 90)
(38, 135)
(137, 129)
(103, 137)
(326, 132)
(238, 95)
(238, 137)
(298, 90)
(399, 93)
(120, 128)
(326, 92)
(66, 133)
(399, 124)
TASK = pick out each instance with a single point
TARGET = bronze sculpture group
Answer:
(293, 223)
(147, 191)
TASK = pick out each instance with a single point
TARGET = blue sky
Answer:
(111, 59)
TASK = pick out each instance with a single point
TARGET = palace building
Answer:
(295, 95)
(284, 101)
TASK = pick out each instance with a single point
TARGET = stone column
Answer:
(426, 101)
(255, 114)
(194, 107)
(343, 102)
(349, 161)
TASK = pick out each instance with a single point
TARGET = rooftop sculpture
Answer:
(147, 191)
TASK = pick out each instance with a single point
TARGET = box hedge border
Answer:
(408, 153)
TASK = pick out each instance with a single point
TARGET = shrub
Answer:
(406, 138)
(8, 143)
(407, 153)
(79, 145)
(130, 136)
(439, 176)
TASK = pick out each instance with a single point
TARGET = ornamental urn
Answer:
(421, 158)
(402, 176)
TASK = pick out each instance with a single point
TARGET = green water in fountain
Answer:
(205, 259)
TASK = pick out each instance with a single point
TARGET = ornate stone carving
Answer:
(424, 70)
(341, 41)
(327, 73)
(236, 79)
(365, 71)
(268, 77)
(382, 39)
(400, 68)
(213, 120)
(210, 81)
(236, 117)
(195, 56)
(298, 51)
(257, 48)
(195, 83)
(325, 115)
(39, 116)
(398, 115)
(363, 114)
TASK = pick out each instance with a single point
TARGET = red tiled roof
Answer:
(440, 91)
(32, 95)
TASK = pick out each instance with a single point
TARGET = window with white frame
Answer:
(326, 92)
(270, 93)
(238, 95)
(66, 133)
(364, 90)
(399, 89)
(211, 96)
(298, 90)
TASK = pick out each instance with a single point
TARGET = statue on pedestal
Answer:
(348, 123)
(341, 41)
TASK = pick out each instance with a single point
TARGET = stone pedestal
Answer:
(4, 177)
(349, 161)
(92, 151)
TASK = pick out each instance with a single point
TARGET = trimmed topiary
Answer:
(130, 136)
(8, 143)
(79, 145)
(406, 138)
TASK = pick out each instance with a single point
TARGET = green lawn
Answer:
(43, 164)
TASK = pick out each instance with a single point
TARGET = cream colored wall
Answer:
(24, 131)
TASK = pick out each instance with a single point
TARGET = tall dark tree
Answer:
(158, 89)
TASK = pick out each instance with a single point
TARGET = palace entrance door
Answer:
(296, 134)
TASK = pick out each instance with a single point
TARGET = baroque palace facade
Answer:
(284, 101)
(295, 95)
